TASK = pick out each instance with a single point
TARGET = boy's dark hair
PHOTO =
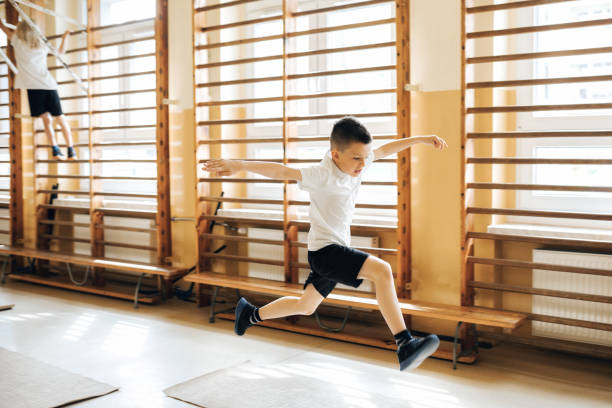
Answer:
(348, 130)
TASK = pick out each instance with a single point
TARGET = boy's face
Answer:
(352, 159)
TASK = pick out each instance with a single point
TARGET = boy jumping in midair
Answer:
(333, 185)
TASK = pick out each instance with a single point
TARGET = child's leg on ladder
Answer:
(291, 305)
(48, 123)
(65, 129)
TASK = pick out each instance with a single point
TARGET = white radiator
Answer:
(275, 252)
(572, 308)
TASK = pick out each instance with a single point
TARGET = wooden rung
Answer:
(339, 116)
(128, 23)
(66, 223)
(64, 238)
(515, 5)
(127, 213)
(131, 41)
(237, 121)
(240, 101)
(80, 161)
(121, 228)
(239, 81)
(574, 347)
(272, 181)
(514, 263)
(241, 23)
(102, 112)
(128, 178)
(377, 206)
(122, 161)
(238, 258)
(534, 82)
(5, 231)
(130, 246)
(542, 240)
(3, 218)
(538, 29)
(332, 29)
(132, 143)
(102, 78)
(535, 213)
(570, 322)
(133, 195)
(295, 160)
(240, 200)
(309, 139)
(238, 62)
(341, 49)
(77, 210)
(72, 192)
(301, 265)
(241, 141)
(539, 134)
(338, 94)
(222, 5)
(508, 160)
(536, 187)
(535, 108)
(540, 292)
(238, 42)
(537, 55)
(100, 95)
(103, 61)
(243, 239)
(341, 7)
(60, 176)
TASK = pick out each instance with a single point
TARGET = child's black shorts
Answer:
(334, 264)
(44, 100)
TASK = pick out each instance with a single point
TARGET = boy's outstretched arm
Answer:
(222, 167)
(398, 145)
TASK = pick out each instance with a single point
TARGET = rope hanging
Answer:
(53, 50)
(51, 13)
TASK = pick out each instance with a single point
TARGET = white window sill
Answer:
(546, 231)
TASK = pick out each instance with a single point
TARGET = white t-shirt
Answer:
(332, 202)
(32, 66)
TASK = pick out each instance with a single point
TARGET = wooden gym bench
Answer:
(460, 314)
(167, 273)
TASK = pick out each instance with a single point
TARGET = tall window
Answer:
(573, 93)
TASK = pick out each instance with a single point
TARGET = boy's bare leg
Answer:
(379, 272)
(291, 305)
(65, 129)
(48, 123)
(247, 314)
(411, 352)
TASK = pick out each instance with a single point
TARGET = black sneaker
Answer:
(57, 153)
(412, 354)
(71, 153)
(244, 311)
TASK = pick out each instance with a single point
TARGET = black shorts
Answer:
(334, 264)
(44, 100)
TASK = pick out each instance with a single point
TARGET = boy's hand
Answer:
(66, 34)
(221, 167)
(437, 142)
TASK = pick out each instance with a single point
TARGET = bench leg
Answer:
(333, 329)
(81, 283)
(138, 283)
(6, 262)
(213, 302)
(455, 345)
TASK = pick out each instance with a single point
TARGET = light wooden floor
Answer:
(144, 351)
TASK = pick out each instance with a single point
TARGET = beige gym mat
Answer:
(29, 383)
(283, 385)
